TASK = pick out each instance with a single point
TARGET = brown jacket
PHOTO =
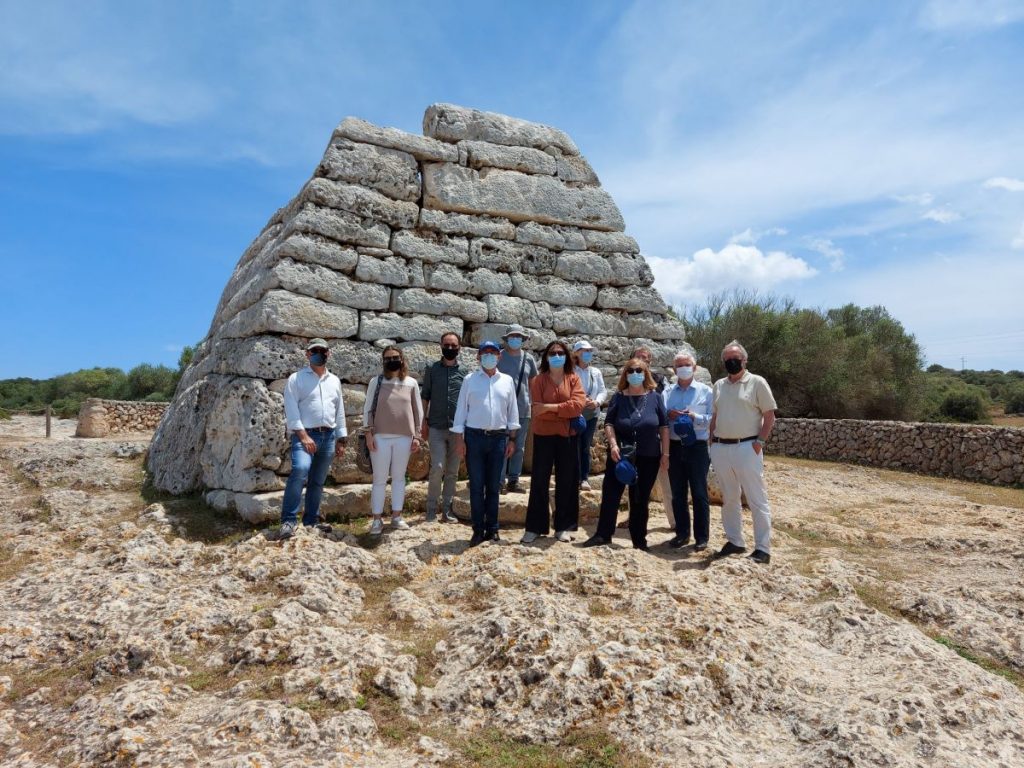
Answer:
(569, 397)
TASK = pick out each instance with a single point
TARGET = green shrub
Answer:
(4, 415)
(1015, 401)
(964, 407)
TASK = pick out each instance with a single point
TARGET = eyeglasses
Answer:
(634, 370)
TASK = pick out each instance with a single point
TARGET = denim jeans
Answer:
(513, 468)
(586, 439)
(688, 471)
(310, 471)
(485, 456)
(444, 465)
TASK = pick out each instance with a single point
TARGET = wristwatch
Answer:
(760, 442)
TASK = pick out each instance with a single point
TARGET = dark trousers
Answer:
(485, 457)
(639, 499)
(584, 441)
(558, 453)
(688, 471)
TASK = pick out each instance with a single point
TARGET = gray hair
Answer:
(642, 348)
(686, 353)
(734, 345)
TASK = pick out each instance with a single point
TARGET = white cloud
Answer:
(750, 237)
(1018, 241)
(735, 266)
(971, 14)
(835, 255)
(1004, 182)
(923, 199)
(942, 215)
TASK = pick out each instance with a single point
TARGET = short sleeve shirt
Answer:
(741, 405)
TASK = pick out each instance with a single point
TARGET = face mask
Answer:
(586, 357)
(685, 372)
(556, 361)
(449, 354)
(635, 379)
(318, 358)
(733, 365)
(514, 342)
(489, 361)
(392, 365)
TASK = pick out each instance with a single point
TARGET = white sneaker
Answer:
(377, 526)
(399, 524)
(585, 486)
(563, 536)
(528, 538)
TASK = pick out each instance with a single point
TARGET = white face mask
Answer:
(685, 372)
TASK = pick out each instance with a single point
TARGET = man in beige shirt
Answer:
(743, 417)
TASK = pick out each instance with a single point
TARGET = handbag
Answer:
(363, 450)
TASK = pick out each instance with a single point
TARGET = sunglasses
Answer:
(389, 359)
(635, 370)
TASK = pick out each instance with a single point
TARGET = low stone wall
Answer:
(964, 451)
(100, 418)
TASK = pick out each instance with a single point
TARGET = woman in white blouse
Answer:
(593, 387)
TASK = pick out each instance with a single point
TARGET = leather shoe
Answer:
(730, 549)
(595, 541)
(676, 542)
(760, 556)
(476, 539)
(492, 536)
(700, 546)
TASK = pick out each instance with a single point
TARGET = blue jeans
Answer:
(485, 456)
(586, 439)
(513, 468)
(310, 471)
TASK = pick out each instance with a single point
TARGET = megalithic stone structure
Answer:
(482, 221)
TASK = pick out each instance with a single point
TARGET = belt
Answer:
(488, 432)
(320, 429)
(733, 441)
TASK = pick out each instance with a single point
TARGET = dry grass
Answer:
(589, 747)
(986, 663)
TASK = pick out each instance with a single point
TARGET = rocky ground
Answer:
(143, 631)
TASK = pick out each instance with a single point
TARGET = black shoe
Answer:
(492, 536)
(595, 541)
(512, 486)
(700, 546)
(324, 528)
(476, 539)
(760, 556)
(730, 549)
(676, 542)
(642, 547)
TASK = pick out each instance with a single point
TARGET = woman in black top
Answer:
(637, 424)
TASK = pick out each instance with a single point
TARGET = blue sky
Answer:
(866, 152)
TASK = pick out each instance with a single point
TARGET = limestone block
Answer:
(483, 154)
(588, 322)
(354, 396)
(388, 325)
(575, 170)
(283, 312)
(553, 290)
(450, 122)
(362, 202)
(420, 147)
(431, 247)
(392, 270)
(632, 298)
(654, 326)
(504, 256)
(261, 357)
(326, 284)
(246, 423)
(484, 281)
(314, 249)
(377, 253)
(585, 267)
(610, 242)
(413, 300)
(552, 238)
(481, 332)
(342, 226)
(390, 171)
(463, 224)
(517, 197)
(630, 269)
(92, 419)
(353, 361)
(446, 277)
(509, 309)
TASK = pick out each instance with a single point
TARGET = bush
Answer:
(4, 415)
(1015, 401)
(964, 407)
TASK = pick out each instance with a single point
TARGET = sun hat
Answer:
(317, 343)
(515, 330)
(581, 344)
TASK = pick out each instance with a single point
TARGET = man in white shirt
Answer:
(315, 415)
(688, 460)
(486, 422)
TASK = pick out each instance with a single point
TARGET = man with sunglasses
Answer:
(315, 415)
(442, 381)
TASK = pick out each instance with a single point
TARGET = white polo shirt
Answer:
(740, 406)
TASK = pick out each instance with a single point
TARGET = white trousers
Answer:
(740, 469)
(391, 457)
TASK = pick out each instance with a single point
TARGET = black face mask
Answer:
(449, 354)
(392, 365)
(733, 366)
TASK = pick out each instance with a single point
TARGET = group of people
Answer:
(654, 429)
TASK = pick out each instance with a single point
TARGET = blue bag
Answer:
(625, 472)
(683, 426)
(577, 425)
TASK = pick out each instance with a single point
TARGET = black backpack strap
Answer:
(376, 397)
(522, 371)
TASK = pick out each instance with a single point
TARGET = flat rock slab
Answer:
(450, 122)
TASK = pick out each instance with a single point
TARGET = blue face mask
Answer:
(514, 342)
(586, 357)
(556, 361)
(489, 361)
(318, 358)
(635, 379)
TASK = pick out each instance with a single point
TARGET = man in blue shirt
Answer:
(688, 464)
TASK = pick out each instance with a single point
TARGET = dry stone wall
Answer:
(968, 452)
(100, 418)
(484, 220)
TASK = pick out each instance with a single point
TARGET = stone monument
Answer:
(484, 220)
